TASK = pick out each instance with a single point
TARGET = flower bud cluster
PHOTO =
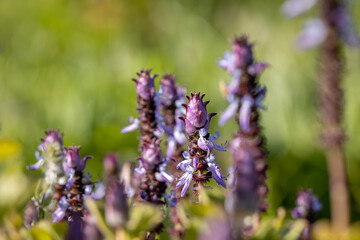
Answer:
(64, 182)
(245, 95)
(199, 164)
(152, 164)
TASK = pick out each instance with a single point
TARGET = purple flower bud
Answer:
(242, 51)
(111, 166)
(72, 157)
(196, 114)
(294, 8)
(53, 136)
(116, 208)
(145, 87)
(313, 34)
(168, 90)
(151, 155)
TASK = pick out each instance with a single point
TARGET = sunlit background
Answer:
(68, 64)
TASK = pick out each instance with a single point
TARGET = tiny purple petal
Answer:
(205, 144)
(216, 175)
(60, 210)
(132, 127)
(228, 113)
(186, 185)
(313, 34)
(163, 177)
(294, 8)
(82, 165)
(36, 166)
(257, 68)
(99, 191)
(171, 148)
(245, 112)
(233, 87)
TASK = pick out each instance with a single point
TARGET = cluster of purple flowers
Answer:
(152, 164)
(199, 164)
(64, 183)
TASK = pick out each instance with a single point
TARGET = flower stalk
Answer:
(244, 94)
(331, 108)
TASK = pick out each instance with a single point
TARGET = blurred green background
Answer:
(68, 64)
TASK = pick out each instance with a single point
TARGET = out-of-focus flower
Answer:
(307, 204)
(294, 8)
(313, 34)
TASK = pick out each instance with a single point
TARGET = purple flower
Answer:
(60, 210)
(134, 124)
(247, 103)
(145, 87)
(196, 116)
(151, 155)
(163, 176)
(240, 57)
(73, 159)
(185, 179)
(140, 170)
(313, 34)
(215, 170)
(294, 8)
(306, 204)
(183, 164)
(171, 200)
(208, 144)
(229, 112)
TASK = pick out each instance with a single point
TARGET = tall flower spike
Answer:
(146, 121)
(152, 168)
(199, 164)
(248, 150)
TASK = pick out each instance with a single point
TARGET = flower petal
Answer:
(132, 127)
